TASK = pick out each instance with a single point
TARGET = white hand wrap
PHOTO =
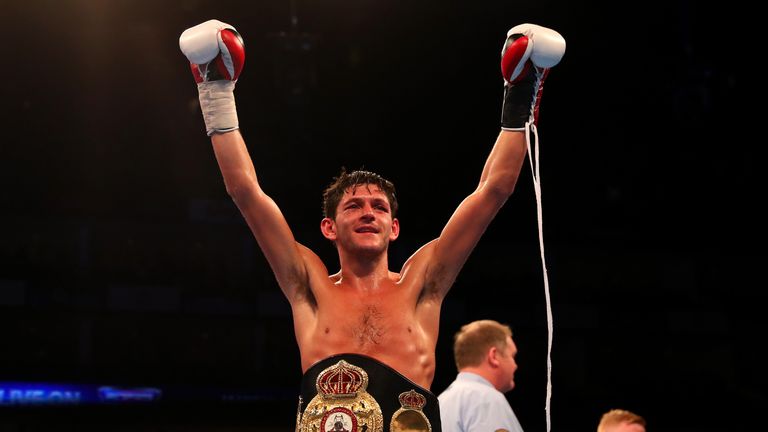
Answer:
(217, 101)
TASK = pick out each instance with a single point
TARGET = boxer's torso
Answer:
(387, 319)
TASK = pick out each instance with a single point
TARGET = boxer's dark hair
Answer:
(346, 180)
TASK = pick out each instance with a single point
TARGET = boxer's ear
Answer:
(328, 228)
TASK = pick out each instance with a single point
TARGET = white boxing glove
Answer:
(548, 45)
(528, 53)
(216, 54)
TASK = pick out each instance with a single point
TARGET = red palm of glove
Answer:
(228, 64)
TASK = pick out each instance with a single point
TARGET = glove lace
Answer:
(530, 128)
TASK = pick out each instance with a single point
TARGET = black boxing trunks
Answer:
(356, 393)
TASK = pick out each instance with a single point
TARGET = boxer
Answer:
(367, 334)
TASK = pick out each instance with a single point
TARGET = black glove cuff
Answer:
(519, 102)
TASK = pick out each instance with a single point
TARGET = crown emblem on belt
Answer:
(410, 417)
(412, 400)
(342, 380)
(341, 402)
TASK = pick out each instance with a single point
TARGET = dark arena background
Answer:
(134, 298)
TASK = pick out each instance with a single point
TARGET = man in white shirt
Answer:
(485, 357)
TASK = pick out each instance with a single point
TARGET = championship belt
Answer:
(356, 393)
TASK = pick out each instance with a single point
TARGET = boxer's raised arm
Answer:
(528, 53)
(216, 53)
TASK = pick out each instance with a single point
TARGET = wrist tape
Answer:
(217, 101)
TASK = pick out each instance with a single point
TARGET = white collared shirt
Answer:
(472, 404)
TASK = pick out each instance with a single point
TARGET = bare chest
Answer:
(369, 321)
(384, 324)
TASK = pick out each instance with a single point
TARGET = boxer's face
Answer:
(363, 221)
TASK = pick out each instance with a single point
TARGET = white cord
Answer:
(530, 127)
